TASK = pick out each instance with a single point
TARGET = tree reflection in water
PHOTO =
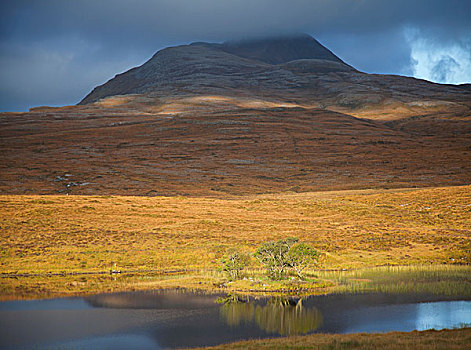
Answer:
(236, 309)
(280, 315)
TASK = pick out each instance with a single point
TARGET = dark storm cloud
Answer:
(144, 20)
(54, 52)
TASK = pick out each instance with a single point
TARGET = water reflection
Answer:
(437, 315)
(175, 319)
(281, 316)
(236, 310)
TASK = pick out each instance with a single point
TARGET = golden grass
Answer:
(442, 280)
(425, 340)
(353, 229)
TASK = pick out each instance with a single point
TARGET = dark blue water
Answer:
(155, 320)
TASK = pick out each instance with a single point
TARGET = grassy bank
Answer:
(426, 340)
(86, 235)
(446, 281)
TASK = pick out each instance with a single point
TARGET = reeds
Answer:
(445, 280)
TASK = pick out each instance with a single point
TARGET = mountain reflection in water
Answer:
(279, 316)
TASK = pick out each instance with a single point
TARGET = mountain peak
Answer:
(280, 49)
(242, 65)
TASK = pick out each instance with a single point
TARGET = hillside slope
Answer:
(237, 118)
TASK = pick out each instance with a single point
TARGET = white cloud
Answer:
(438, 61)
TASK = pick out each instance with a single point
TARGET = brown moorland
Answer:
(219, 146)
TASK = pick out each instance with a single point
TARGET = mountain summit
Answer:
(245, 65)
(295, 68)
(282, 49)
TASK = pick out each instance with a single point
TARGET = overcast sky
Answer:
(53, 52)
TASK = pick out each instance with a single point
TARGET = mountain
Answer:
(253, 116)
(247, 66)
(296, 68)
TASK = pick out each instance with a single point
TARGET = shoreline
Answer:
(445, 339)
(320, 282)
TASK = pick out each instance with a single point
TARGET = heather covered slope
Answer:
(221, 146)
(261, 116)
